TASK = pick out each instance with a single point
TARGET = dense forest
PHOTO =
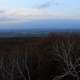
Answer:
(55, 57)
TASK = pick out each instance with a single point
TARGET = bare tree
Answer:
(1, 66)
(26, 67)
(64, 53)
(26, 63)
(18, 67)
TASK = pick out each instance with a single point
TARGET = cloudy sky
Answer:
(39, 9)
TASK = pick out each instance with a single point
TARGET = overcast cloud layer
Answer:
(11, 10)
(26, 13)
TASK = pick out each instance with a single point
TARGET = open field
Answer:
(55, 57)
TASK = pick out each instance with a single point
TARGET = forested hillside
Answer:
(55, 57)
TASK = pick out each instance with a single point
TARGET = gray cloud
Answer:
(2, 11)
(46, 4)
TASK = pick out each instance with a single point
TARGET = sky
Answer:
(39, 9)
